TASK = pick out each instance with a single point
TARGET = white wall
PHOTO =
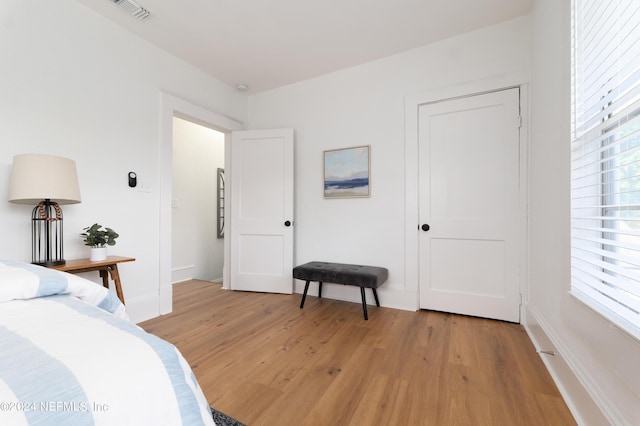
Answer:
(74, 84)
(365, 105)
(198, 152)
(603, 359)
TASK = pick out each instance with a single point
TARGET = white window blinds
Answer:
(605, 159)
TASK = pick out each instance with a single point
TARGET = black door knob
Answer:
(425, 227)
(287, 223)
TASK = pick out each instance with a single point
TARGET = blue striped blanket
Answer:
(70, 356)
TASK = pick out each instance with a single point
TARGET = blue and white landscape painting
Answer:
(346, 172)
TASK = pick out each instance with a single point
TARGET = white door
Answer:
(261, 193)
(469, 208)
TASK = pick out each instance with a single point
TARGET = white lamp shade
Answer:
(36, 177)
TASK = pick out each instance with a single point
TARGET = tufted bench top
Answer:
(342, 273)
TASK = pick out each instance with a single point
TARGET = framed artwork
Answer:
(347, 172)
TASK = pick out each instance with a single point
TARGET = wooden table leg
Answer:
(115, 276)
(104, 274)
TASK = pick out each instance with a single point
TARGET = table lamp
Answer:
(47, 181)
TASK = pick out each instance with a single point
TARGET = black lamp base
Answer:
(46, 234)
(50, 263)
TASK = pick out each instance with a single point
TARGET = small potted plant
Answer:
(98, 239)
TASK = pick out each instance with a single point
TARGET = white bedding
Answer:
(69, 355)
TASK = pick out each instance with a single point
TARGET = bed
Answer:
(69, 355)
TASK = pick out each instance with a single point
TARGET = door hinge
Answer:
(519, 121)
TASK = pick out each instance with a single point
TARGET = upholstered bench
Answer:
(341, 273)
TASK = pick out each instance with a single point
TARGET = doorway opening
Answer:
(171, 107)
(197, 245)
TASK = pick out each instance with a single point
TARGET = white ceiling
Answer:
(271, 43)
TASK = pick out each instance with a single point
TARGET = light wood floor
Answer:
(261, 359)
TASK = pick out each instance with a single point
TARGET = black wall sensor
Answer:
(133, 179)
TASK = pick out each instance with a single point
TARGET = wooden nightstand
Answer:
(106, 267)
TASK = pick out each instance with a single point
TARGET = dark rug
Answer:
(222, 419)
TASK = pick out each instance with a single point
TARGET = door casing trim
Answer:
(412, 103)
(171, 106)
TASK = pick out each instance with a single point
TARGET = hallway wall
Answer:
(197, 154)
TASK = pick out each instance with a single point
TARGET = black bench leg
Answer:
(364, 303)
(319, 289)
(375, 294)
(304, 295)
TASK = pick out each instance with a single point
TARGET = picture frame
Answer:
(347, 172)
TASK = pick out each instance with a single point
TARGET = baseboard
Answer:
(183, 273)
(553, 352)
(165, 303)
(143, 308)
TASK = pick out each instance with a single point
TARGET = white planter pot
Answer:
(98, 253)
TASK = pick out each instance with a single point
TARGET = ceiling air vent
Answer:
(133, 9)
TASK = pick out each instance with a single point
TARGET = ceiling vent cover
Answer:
(133, 9)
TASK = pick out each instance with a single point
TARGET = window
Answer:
(605, 159)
